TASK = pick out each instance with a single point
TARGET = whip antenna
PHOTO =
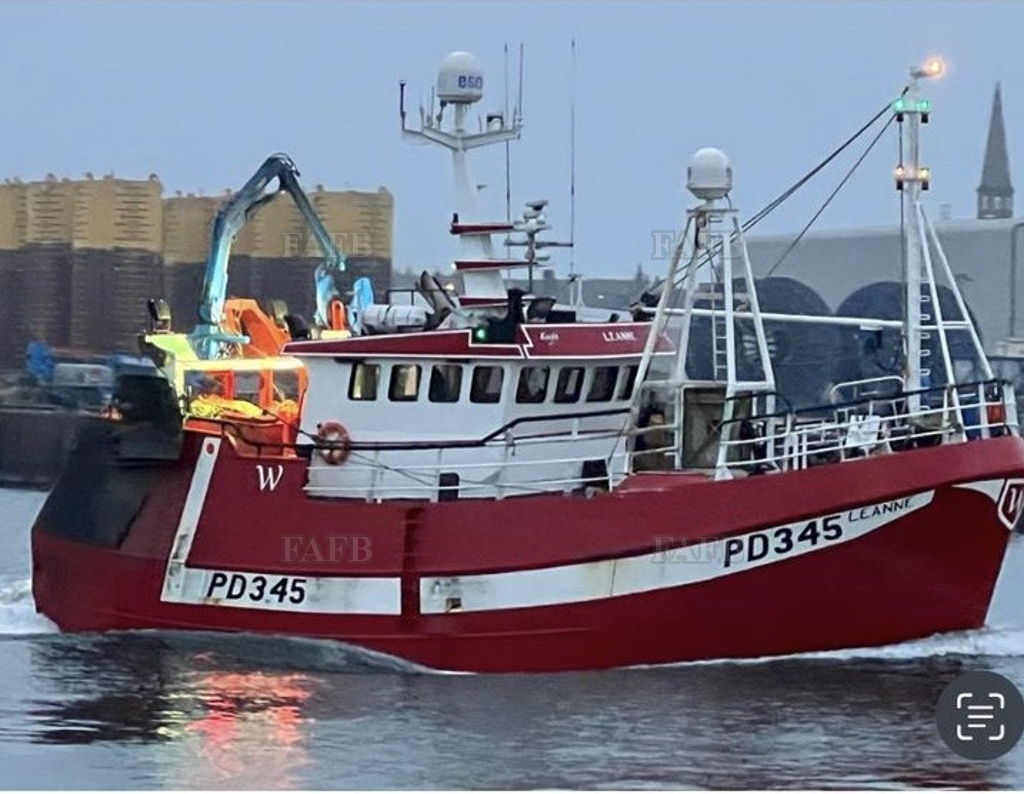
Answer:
(508, 164)
(508, 168)
(519, 101)
(572, 160)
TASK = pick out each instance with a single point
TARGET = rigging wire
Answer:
(749, 224)
(832, 195)
(765, 211)
(772, 205)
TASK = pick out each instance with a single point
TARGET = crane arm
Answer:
(334, 261)
(209, 334)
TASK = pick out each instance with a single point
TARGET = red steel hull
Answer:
(928, 564)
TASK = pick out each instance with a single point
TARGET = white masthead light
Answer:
(709, 176)
(459, 79)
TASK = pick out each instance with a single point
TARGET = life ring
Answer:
(336, 442)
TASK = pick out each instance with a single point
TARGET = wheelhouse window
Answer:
(247, 387)
(201, 384)
(286, 385)
(533, 385)
(628, 382)
(405, 383)
(445, 383)
(363, 383)
(602, 386)
(569, 384)
(486, 385)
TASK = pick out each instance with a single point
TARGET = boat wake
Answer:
(312, 655)
(18, 614)
(283, 652)
(18, 618)
(990, 641)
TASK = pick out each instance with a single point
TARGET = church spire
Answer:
(995, 193)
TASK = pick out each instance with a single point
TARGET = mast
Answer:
(925, 263)
(912, 178)
(709, 277)
(460, 84)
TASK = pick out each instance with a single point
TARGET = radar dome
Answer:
(459, 79)
(709, 175)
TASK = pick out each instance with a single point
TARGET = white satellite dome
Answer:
(459, 79)
(709, 175)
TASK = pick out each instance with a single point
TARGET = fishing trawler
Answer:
(493, 482)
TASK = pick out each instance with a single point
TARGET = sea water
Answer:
(151, 709)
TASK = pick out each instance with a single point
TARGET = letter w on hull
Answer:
(269, 476)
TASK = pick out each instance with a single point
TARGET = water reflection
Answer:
(266, 713)
(221, 726)
(245, 729)
(801, 724)
(103, 689)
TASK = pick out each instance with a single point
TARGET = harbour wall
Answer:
(35, 444)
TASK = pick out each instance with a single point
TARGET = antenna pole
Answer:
(519, 101)
(572, 161)
(401, 102)
(460, 85)
(508, 168)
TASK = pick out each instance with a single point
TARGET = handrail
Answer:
(785, 428)
(504, 470)
(865, 381)
(840, 431)
(863, 400)
(373, 446)
(786, 444)
(798, 445)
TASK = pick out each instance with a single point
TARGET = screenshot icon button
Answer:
(980, 715)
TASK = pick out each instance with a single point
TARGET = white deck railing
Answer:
(875, 425)
(495, 469)
(504, 465)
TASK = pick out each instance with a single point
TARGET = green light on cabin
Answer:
(480, 334)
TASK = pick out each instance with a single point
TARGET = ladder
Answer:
(719, 341)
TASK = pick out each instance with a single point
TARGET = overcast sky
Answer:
(199, 93)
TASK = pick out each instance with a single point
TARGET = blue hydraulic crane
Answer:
(209, 336)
